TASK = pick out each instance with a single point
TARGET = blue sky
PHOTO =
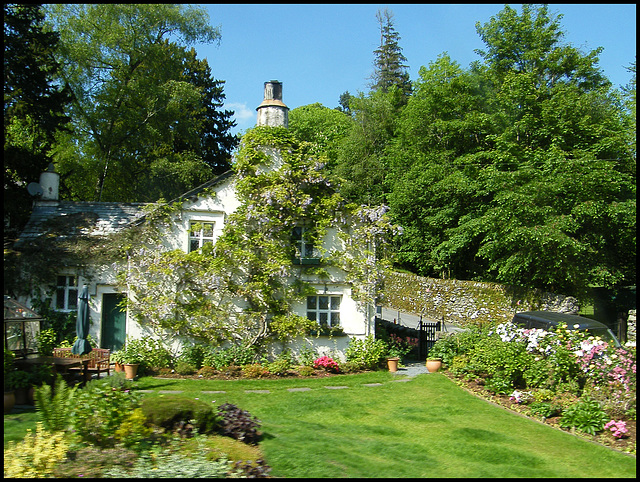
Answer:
(319, 51)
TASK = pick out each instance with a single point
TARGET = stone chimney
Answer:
(273, 112)
(49, 182)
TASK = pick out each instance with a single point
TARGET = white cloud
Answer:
(244, 116)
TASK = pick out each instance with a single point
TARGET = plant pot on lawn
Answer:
(434, 364)
(18, 382)
(130, 370)
(118, 360)
(392, 363)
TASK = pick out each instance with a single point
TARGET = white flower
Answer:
(576, 326)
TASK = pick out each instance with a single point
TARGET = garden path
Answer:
(406, 373)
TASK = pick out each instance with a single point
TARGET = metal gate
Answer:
(427, 336)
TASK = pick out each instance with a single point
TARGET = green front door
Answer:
(113, 322)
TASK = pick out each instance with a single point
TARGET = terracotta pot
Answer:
(434, 365)
(9, 401)
(393, 363)
(130, 370)
(119, 367)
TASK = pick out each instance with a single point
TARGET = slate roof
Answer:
(66, 219)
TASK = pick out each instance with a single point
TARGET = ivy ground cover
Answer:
(375, 427)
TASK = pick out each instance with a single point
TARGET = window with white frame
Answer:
(200, 233)
(305, 252)
(324, 309)
(67, 293)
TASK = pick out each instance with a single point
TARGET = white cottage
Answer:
(201, 219)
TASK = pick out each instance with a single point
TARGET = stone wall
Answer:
(631, 326)
(464, 302)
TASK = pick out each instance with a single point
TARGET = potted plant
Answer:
(118, 359)
(131, 359)
(393, 357)
(434, 358)
(434, 364)
(20, 381)
(397, 349)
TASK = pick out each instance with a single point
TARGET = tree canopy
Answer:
(518, 170)
(33, 106)
(146, 113)
(390, 67)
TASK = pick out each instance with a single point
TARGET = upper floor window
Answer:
(305, 250)
(67, 293)
(200, 233)
(324, 309)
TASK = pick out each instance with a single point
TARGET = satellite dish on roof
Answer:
(35, 189)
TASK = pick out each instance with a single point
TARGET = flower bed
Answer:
(565, 378)
(625, 444)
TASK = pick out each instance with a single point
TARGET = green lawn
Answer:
(425, 427)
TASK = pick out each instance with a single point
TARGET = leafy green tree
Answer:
(390, 63)
(519, 170)
(33, 106)
(345, 99)
(146, 116)
(432, 166)
(360, 161)
(323, 127)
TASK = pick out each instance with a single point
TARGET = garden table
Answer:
(59, 364)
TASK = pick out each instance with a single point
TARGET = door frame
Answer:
(102, 290)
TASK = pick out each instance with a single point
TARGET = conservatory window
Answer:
(324, 309)
(67, 293)
(200, 233)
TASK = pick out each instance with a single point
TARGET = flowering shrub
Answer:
(619, 429)
(521, 396)
(564, 361)
(399, 346)
(327, 363)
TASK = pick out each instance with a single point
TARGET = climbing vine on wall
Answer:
(280, 186)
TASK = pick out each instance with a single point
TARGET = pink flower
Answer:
(619, 429)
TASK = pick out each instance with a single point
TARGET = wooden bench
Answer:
(99, 359)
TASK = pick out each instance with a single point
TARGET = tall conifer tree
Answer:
(390, 64)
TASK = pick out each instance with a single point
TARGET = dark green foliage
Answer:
(33, 106)
(390, 63)
(174, 412)
(100, 408)
(586, 416)
(194, 354)
(239, 424)
(519, 170)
